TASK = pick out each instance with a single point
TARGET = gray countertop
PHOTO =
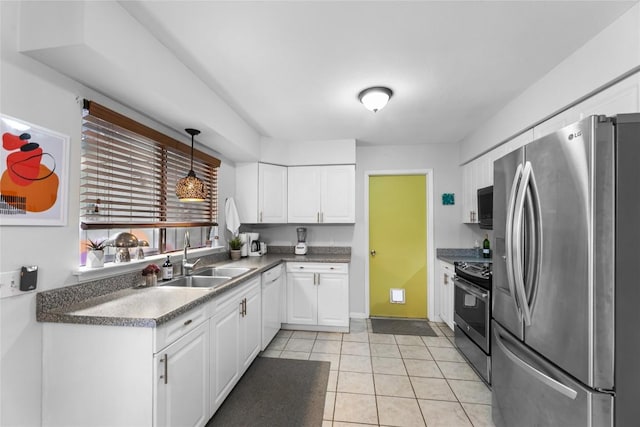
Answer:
(150, 307)
(452, 255)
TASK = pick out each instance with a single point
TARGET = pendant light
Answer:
(375, 98)
(190, 188)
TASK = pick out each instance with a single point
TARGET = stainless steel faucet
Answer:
(187, 268)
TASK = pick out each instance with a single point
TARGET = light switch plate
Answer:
(10, 284)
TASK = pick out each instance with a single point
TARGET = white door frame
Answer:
(431, 265)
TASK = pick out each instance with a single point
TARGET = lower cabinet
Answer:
(446, 293)
(235, 338)
(318, 296)
(181, 381)
(177, 374)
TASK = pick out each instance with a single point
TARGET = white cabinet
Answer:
(99, 375)
(623, 97)
(272, 280)
(318, 296)
(476, 174)
(251, 325)
(446, 293)
(479, 174)
(181, 381)
(176, 374)
(225, 351)
(321, 194)
(261, 193)
(235, 338)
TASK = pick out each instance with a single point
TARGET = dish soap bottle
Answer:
(167, 269)
(486, 250)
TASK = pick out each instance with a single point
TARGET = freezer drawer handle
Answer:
(557, 386)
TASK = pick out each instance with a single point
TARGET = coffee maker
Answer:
(301, 246)
(254, 244)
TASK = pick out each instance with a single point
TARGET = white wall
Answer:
(37, 94)
(442, 159)
(609, 55)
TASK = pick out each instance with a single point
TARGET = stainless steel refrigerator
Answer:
(566, 283)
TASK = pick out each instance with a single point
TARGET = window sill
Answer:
(115, 269)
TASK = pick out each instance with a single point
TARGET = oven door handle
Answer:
(470, 288)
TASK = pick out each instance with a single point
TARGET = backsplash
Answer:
(68, 295)
(312, 250)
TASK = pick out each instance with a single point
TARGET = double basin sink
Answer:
(210, 277)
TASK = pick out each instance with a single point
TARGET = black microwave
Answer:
(485, 207)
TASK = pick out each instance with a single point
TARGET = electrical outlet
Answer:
(10, 284)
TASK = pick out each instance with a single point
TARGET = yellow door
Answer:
(398, 245)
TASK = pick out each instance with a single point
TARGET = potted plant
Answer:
(95, 253)
(150, 274)
(235, 244)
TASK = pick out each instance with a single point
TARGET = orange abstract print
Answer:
(27, 184)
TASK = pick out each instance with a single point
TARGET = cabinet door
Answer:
(224, 351)
(469, 195)
(251, 327)
(337, 194)
(182, 381)
(333, 299)
(446, 294)
(246, 196)
(272, 194)
(622, 97)
(304, 194)
(302, 299)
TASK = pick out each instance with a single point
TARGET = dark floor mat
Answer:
(402, 327)
(276, 392)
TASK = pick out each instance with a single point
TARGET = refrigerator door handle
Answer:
(534, 255)
(509, 238)
(557, 386)
(517, 244)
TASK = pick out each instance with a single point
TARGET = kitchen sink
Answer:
(222, 271)
(198, 281)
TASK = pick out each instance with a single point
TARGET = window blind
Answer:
(129, 173)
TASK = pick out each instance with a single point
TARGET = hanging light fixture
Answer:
(375, 98)
(190, 188)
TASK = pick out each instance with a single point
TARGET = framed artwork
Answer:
(34, 174)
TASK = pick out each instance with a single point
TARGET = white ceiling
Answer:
(293, 69)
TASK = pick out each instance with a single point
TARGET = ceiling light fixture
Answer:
(190, 188)
(375, 98)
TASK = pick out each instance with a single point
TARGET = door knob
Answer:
(373, 252)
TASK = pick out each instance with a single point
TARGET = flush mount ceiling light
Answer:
(375, 98)
(190, 188)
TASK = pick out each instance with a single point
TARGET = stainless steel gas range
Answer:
(472, 315)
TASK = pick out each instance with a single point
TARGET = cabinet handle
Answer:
(373, 252)
(242, 308)
(446, 279)
(244, 305)
(165, 360)
(322, 217)
(301, 267)
(188, 322)
(317, 217)
(260, 216)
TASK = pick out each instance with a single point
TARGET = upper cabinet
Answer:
(261, 193)
(479, 174)
(623, 97)
(321, 194)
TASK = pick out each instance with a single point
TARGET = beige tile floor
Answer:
(391, 380)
